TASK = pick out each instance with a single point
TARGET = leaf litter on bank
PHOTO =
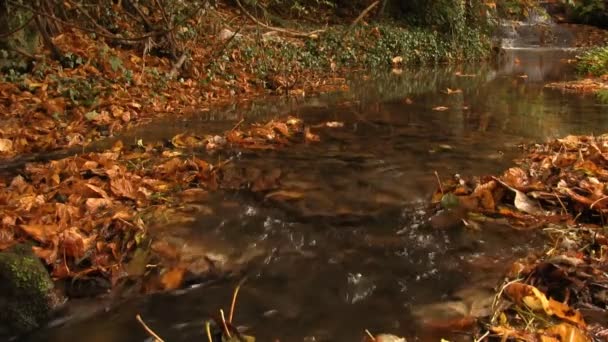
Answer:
(559, 186)
(90, 214)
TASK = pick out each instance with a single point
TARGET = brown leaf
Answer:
(6, 145)
(54, 106)
(173, 278)
(95, 204)
(309, 136)
(72, 243)
(537, 301)
(101, 192)
(515, 177)
(564, 332)
(40, 232)
(123, 187)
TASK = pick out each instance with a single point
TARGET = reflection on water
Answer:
(356, 252)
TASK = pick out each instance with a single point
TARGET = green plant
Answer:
(594, 62)
(593, 12)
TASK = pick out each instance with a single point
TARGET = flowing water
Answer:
(356, 251)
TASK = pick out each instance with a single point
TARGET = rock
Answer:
(27, 294)
(226, 34)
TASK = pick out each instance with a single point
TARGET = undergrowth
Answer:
(594, 62)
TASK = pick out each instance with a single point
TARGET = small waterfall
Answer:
(537, 31)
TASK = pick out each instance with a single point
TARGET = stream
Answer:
(355, 250)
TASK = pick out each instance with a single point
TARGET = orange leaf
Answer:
(40, 232)
(173, 278)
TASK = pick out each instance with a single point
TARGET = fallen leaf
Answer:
(334, 124)
(173, 278)
(122, 187)
(95, 204)
(40, 232)
(6, 145)
(537, 301)
(564, 332)
(284, 195)
(310, 137)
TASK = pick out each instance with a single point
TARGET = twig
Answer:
(439, 182)
(561, 203)
(208, 331)
(226, 330)
(361, 16)
(278, 29)
(148, 330)
(596, 202)
(219, 53)
(233, 304)
(108, 36)
(373, 339)
(17, 29)
(23, 53)
(171, 34)
(237, 124)
(86, 14)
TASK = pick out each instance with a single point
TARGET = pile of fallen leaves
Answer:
(586, 85)
(560, 181)
(108, 88)
(87, 214)
(559, 186)
(560, 297)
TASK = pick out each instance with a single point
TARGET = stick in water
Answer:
(148, 330)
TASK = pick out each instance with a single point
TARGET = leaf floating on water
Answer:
(284, 195)
(311, 137)
(453, 91)
(460, 74)
(334, 124)
(440, 108)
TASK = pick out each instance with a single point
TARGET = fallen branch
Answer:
(361, 16)
(17, 29)
(178, 65)
(277, 29)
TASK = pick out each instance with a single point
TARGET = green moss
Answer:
(26, 290)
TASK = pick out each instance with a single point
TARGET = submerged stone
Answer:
(26, 291)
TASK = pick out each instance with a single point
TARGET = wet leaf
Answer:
(440, 108)
(6, 145)
(449, 201)
(535, 300)
(527, 205)
(173, 278)
(564, 332)
(311, 137)
(284, 195)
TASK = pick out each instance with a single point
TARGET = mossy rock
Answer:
(27, 293)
